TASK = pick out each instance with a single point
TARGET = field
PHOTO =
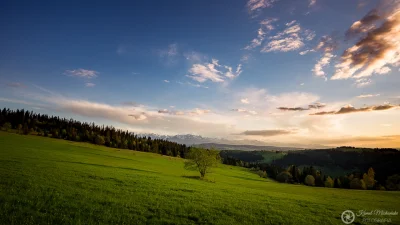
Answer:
(49, 181)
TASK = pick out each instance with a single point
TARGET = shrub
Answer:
(6, 126)
(284, 177)
(262, 174)
(357, 184)
(329, 182)
(393, 182)
(309, 180)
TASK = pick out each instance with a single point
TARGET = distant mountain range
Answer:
(226, 144)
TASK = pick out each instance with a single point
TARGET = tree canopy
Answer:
(202, 160)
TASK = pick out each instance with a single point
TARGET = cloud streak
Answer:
(351, 109)
(213, 72)
(82, 73)
(267, 133)
(311, 106)
(256, 5)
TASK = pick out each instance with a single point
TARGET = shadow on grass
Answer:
(192, 177)
(106, 166)
(199, 178)
(247, 178)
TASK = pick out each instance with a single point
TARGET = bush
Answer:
(284, 177)
(393, 183)
(6, 126)
(329, 182)
(309, 180)
(262, 174)
(358, 184)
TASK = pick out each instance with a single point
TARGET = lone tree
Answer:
(202, 160)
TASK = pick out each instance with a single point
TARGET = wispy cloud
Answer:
(255, 5)
(213, 71)
(327, 45)
(323, 62)
(171, 51)
(317, 105)
(312, 3)
(192, 85)
(362, 82)
(290, 39)
(170, 55)
(166, 81)
(82, 73)
(368, 96)
(267, 133)
(245, 58)
(351, 109)
(90, 84)
(252, 112)
(265, 26)
(245, 101)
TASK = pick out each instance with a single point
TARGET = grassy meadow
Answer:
(50, 181)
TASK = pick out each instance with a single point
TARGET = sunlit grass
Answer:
(49, 181)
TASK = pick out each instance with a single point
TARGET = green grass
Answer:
(49, 181)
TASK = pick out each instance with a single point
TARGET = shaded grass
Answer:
(49, 181)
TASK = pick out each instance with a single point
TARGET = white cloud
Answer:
(309, 35)
(265, 26)
(166, 81)
(213, 71)
(290, 39)
(254, 5)
(305, 52)
(291, 43)
(244, 100)
(245, 58)
(290, 23)
(378, 44)
(82, 73)
(202, 73)
(383, 70)
(267, 23)
(252, 112)
(362, 82)
(323, 62)
(200, 111)
(312, 3)
(90, 84)
(368, 96)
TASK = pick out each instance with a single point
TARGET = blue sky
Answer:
(270, 70)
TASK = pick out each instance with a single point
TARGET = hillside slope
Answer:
(49, 181)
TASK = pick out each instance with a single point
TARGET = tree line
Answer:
(28, 122)
(310, 176)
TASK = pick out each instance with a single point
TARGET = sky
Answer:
(278, 71)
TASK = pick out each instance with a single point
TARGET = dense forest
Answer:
(342, 167)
